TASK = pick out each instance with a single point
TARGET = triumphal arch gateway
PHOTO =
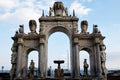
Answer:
(58, 20)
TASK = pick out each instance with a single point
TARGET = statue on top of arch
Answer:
(58, 9)
(84, 27)
(32, 26)
(21, 29)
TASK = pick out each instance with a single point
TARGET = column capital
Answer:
(75, 41)
(20, 40)
(42, 41)
(97, 40)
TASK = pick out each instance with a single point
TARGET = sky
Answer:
(104, 13)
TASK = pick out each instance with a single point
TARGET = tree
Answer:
(2, 68)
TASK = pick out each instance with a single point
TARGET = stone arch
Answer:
(68, 24)
(58, 50)
(30, 49)
(33, 51)
(26, 53)
(87, 49)
(82, 56)
(91, 54)
(59, 29)
(54, 29)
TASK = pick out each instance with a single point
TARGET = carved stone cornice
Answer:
(58, 18)
(88, 36)
(26, 36)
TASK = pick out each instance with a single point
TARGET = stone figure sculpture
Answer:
(21, 29)
(31, 68)
(32, 26)
(49, 71)
(50, 11)
(95, 29)
(66, 11)
(13, 60)
(103, 59)
(16, 33)
(84, 26)
(14, 56)
(85, 67)
(58, 8)
(14, 53)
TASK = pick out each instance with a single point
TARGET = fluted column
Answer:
(24, 64)
(72, 61)
(99, 61)
(99, 73)
(77, 64)
(40, 66)
(41, 57)
(19, 55)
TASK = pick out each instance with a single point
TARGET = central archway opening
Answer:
(59, 49)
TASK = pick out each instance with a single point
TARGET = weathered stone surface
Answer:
(90, 42)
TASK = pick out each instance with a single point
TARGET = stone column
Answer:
(98, 60)
(41, 60)
(72, 60)
(19, 55)
(76, 59)
(92, 64)
(44, 60)
(24, 64)
(77, 64)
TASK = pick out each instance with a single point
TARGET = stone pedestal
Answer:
(59, 73)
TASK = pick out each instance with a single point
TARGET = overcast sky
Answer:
(104, 13)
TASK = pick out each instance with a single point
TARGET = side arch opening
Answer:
(32, 55)
(85, 53)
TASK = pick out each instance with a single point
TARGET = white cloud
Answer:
(7, 5)
(15, 12)
(23, 9)
(79, 8)
(87, 0)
